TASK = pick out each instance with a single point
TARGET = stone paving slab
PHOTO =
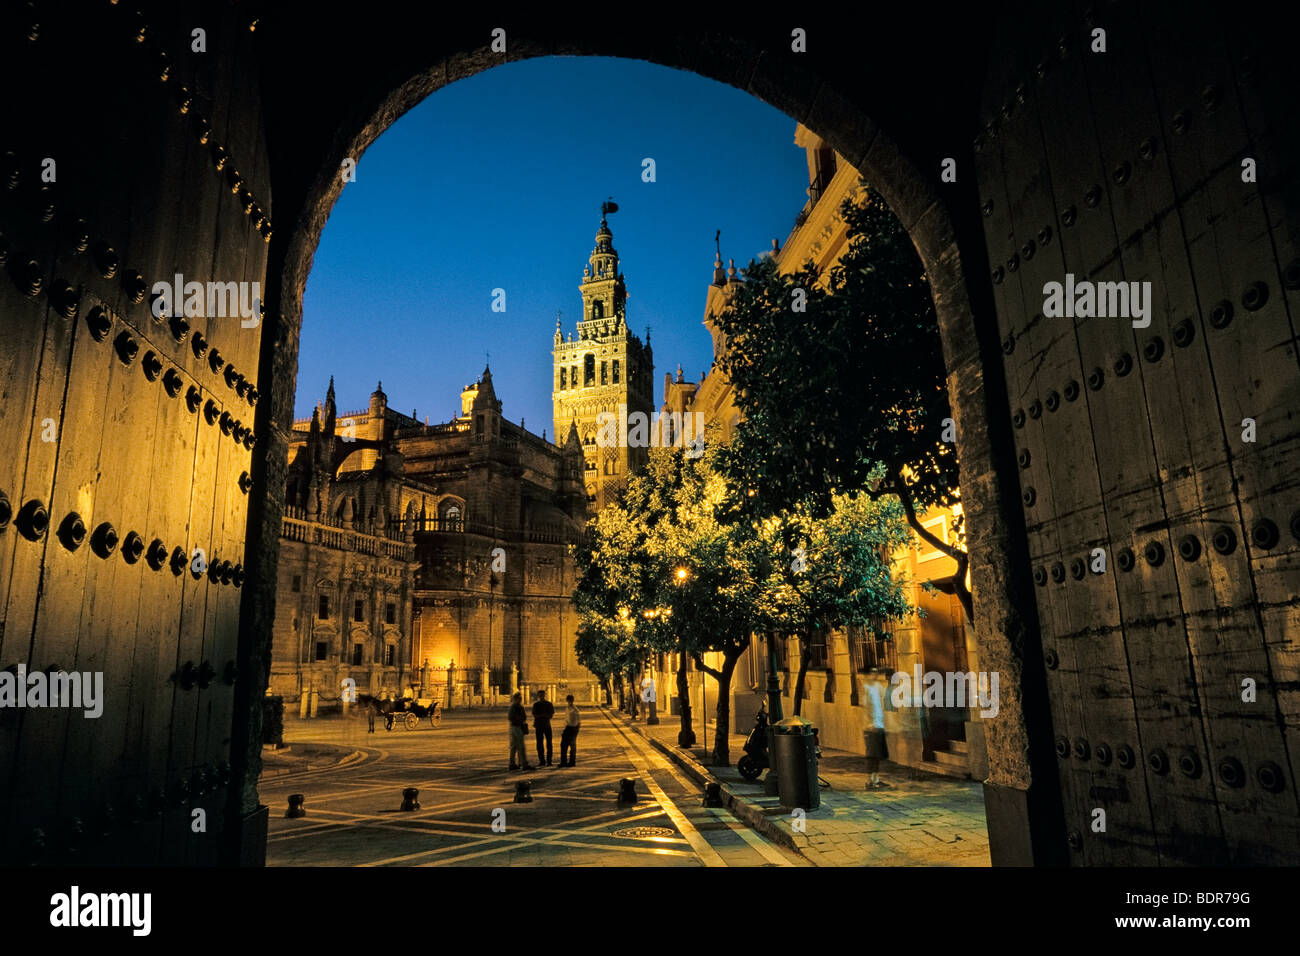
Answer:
(916, 819)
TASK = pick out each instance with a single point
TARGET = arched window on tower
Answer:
(615, 371)
(573, 376)
(604, 373)
(597, 309)
(563, 378)
(589, 370)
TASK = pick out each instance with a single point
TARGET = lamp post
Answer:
(774, 714)
(685, 735)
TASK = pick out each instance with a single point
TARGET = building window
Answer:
(819, 653)
(615, 371)
(321, 648)
(597, 309)
(297, 583)
(564, 378)
(358, 610)
(390, 613)
(449, 516)
(874, 647)
(358, 650)
(390, 654)
(573, 376)
(604, 373)
(589, 370)
(324, 609)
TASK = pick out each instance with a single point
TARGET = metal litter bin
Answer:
(795, 759)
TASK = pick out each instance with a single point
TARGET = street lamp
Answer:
(685, 736)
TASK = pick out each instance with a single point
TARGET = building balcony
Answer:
(326, 535)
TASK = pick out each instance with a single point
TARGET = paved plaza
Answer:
(353, 781)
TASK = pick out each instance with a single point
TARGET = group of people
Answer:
(543, 712)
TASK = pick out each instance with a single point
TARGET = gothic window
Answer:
(449, 515)
(563, 377)
(604, 370)
(615, 371)
(588, 370)
(573, 376)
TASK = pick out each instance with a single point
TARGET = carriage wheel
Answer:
(435, 716)
(412, 721)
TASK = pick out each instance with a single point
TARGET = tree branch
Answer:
(699, 662)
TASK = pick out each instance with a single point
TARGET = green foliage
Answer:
(855, 379)
(670, 568)
(848, 392)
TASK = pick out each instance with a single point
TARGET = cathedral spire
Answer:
(331, 411)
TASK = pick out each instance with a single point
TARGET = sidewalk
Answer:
(298, 757)
(920, 820)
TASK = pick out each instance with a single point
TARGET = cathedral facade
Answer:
(414, 556)
(605, 370)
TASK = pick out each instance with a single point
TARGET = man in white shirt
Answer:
(569, 736)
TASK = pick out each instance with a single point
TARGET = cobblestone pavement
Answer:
(460, 768)
(918, 819)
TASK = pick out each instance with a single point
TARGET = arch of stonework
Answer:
(828, 109)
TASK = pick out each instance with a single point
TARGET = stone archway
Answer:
(929, 219)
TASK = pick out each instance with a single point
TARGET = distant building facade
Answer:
(605, 369)
(412, 555)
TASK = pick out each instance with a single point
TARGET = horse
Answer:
(374, 706)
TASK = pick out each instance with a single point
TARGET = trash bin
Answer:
(795, 760)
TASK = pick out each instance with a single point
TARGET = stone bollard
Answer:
(627, 791)
(713, 795)
(410, 799)
(296, 801)
(523, 791)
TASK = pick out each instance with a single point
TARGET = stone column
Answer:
(485, 678)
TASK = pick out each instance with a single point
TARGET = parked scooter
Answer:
(755, 760)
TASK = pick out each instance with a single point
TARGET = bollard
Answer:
(295, 806)
(713, 795)
(302, 704)
(410, 799)
(627, 791)
(523, 791)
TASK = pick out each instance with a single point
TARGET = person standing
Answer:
(518, 730)
(543, 711)
(569, 736)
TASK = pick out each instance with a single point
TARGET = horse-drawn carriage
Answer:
(399, 712)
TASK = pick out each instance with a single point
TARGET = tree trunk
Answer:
(609, 694)
(722, 738)
(686, 736)
(803, 673)
(618, 683)
(960, 555)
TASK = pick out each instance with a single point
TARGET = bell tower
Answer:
(605, 368)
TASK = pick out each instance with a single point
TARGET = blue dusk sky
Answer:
(496, 182)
